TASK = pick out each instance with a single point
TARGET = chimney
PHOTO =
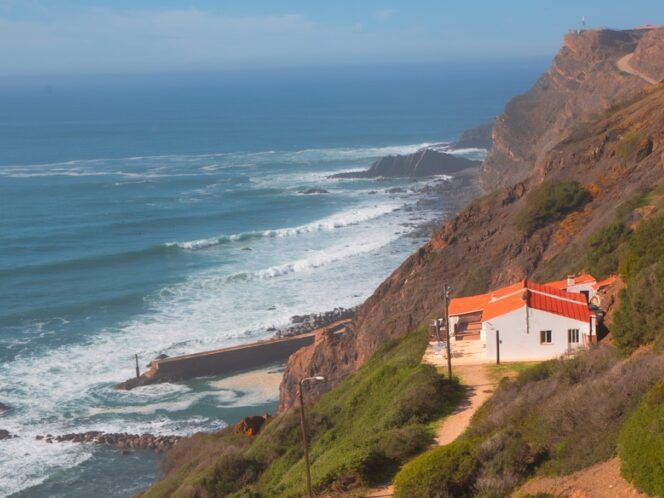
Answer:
(570, 280)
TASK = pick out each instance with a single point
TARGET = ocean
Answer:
(165, 214)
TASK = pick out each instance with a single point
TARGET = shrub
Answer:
(629, 142)
(477, 281)
(602, 257)
(640, 316)
(641, 444)
(446, 471)
(550, 202)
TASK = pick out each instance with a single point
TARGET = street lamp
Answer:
(303, 426)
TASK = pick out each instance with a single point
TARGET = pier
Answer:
(228, 360)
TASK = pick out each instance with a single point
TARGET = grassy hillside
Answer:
(561, 416)
(554, 418)
(360, 433)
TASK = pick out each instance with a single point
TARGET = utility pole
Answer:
(497, 347)
(446, 297)
(303, 426)
(138, 372)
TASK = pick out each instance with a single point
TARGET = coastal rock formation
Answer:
(122, 441)
(614, 156)
(5, 434)
(648, 57)
(583, 81)
(313, 190)
(4, 408)
(479, 137)
(250, 426)
(301, 324)
(421, 164)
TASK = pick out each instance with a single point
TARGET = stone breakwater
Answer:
(122, 441)
(303, 324)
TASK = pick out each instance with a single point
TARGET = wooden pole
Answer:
(446, 292)
(304, 443)
(138, 372)
(497, 347)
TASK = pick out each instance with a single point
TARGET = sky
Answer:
(39, 37)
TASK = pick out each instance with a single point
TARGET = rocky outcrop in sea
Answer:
(122, 441)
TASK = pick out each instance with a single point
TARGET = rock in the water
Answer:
(4, 408)
(4, 434)
(421, 164)
(314, 190)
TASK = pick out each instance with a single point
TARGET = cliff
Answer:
(584, 80)
(421, 164)
(613, 156)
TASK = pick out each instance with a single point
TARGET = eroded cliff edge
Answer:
(583, 80)
(584, 120)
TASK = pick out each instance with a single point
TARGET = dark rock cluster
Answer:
(301, 324)
(5, 434)
(122, 441)
(250, 426)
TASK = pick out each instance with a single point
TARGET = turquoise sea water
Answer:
(164, 214)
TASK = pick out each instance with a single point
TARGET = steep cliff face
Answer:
(614, 157)
(584, 79)
(648, 56)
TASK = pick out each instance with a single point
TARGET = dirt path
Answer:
(625, 66)
(479, 386)
(602, 480)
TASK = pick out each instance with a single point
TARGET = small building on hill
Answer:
(526, 320)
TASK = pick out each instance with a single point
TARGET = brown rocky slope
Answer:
(615, 157)
(583, 80)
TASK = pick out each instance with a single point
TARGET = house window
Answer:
(573, 336)
(545, 337)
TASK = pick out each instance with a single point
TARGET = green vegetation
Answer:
(550, 202)
(556, 417)
(640, 317)
(477, 281)
(360, 433)
(445, 471)
(630, 142)
(603, 254)
(641, 445)
(509, 370)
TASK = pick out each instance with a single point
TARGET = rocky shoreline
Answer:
(303, 324)
(121, 441)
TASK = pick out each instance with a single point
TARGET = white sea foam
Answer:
(339, 220)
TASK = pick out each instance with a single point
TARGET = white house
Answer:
(526, 320)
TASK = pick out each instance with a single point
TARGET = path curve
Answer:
(624, 65)
(479, 387)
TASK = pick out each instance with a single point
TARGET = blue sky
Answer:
(125, 36)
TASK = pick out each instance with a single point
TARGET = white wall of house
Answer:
(518, 343)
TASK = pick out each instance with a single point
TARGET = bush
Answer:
(446, 471)
(641, 445)
(602, 258)
(550, 202)
(477, 281)
(629, 142)
(640, 316)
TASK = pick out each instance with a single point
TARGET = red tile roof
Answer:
(607, 281)
(470, 304)
(537, 296)
(586, 278)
